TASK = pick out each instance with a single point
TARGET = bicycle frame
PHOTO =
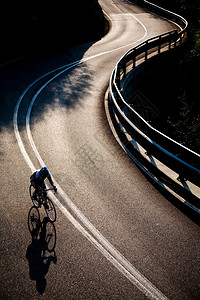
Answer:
(41, 193)
(39, 199)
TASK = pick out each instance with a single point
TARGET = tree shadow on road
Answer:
(67, 91)
(41, 252)
(70, 87)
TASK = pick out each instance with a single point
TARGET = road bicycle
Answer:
(43, 232)
(41, 199)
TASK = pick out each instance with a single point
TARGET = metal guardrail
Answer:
(177, 157)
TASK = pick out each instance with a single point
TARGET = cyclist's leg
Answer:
(45, 196)
(35, 191)
(44, 188)
(38, 189)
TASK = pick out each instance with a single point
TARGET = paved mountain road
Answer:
(102, 196)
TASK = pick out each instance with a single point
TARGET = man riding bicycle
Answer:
(37, 181)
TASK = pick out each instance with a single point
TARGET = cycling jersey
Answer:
(38, 181)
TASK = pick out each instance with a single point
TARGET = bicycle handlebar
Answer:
(46, 190)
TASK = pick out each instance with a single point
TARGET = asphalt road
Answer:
(117, 237)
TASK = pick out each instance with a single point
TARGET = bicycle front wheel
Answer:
(50, 210)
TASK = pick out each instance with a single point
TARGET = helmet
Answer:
(44, 172)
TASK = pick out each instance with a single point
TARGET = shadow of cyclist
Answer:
(38, 255)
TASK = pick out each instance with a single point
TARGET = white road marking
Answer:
(93, 235)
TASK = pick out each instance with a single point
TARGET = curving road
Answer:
(117, 237)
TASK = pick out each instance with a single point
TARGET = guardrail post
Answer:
(146, 51)
(181, 38)
(170, 40)
(124, 69)
(159, 44)
(134, 59)
(175, 39)
(118, 76)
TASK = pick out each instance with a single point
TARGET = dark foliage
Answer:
(27, 26)
(180, 106)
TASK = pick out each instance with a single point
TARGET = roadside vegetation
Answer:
(182, 120)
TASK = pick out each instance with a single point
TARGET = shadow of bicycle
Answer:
(41, 252)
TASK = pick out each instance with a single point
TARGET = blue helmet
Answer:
(44, 172)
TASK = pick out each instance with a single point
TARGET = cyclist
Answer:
(37, 181)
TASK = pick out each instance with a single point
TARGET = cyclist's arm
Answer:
(51, 182)
(50, 179)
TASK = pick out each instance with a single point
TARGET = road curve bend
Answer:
(117, 237)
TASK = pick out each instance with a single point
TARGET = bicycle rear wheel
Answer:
(50, 211)
(34, 221)
(34, 196)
